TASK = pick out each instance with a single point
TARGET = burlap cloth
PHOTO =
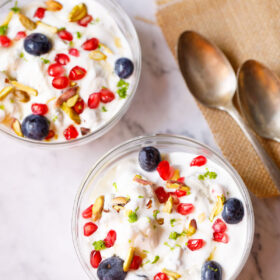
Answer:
(243, 29)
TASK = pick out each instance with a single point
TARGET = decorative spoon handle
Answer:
(270, 165)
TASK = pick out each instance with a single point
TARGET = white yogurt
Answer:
(147, 235)
(30, 70)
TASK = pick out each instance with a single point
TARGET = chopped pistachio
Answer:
(155, 260)
(99, 245)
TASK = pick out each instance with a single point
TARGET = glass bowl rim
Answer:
(154, 137)
(118, 12)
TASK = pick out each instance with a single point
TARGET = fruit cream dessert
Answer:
(164, 217)
(66, 69)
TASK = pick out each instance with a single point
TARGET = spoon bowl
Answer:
(259, 98)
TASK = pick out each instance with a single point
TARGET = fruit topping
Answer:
(195, 244)
(77, 73)
(111, 269)
(5, 41)
(35, 127)
(40, 13)
(56, 70)
(180, 193)
(164, 169)
(87, 213)
(110, 239)
(65, 35)
(233, 211)
(74, 52)
(62, 58)
(94, 100)
(149, 158)
(106, 95)
(37, 44)
(136, 262)
(220, 237)
(129, 258)
(90, 44)
(27, 22)
(90, 228)
(211, 270)
(124, 67)
(161, 194)
(199, 161)
(60, 82)
(185, 208)
(95, 258)
(161, 276)
(97, 208)
(219, 226)
(20, 35)
(39, 109)
(79, 106)
(70, 132)
(77, 13)
(85, 20)
(53, 6)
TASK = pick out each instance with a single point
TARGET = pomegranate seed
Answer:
(95, 258)
(60, 82)
(106, 95)
(195, 244)
(87, 213)
(50, 135)
(77, 73)
(56, 70)
(39, 109)
(90, 228)
(110, 239)
(65, 35)
(164, 170)
(20, 35)
(219, 226)
(70, 132)
(85, 20)
(180, 193)
(136, 262)
(181, 180)
(79, 106)
(40, 13)
(161, 194)
(185, 208)
(91, 44)
(199, 161)
(74, 52)
(62, 58)
(5, 41)
(220, 237)
(161, 276)
(94, 100)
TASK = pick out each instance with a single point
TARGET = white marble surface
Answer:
(38, 186)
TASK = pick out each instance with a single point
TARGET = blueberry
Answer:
(211, 271)
(149, 158)
(124, 67)
(233, 211)
(37, 44)
(111, 269)
(35, 127)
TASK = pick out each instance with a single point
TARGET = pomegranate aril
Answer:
(40, 13)
(50, 135)
(5, 41)
(106, 95)
(62, 58)
(195, 244)
(161, 194)
(161, 276)
(65, 35)
(79, 106)
(164, 170)
(95, 258)
(181, 180)
(20, 35)
(220, 237)
(56, 70)
(185, 208)
(74, 52)
(219, 226)
(85, 20)
(91, 44)
(199, 161)
(39, 109)
(70, 132)
(77, 73)
(180, 193)
(90, 228)
(94, 100)
(87, 213)
(60, 82)
(136, 262)
(110, 239)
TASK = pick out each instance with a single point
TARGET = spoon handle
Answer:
(270, 165)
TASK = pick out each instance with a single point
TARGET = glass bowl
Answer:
(127, 28)
(165, 143)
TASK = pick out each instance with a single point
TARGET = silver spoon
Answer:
(259, 98)
(212, 81)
